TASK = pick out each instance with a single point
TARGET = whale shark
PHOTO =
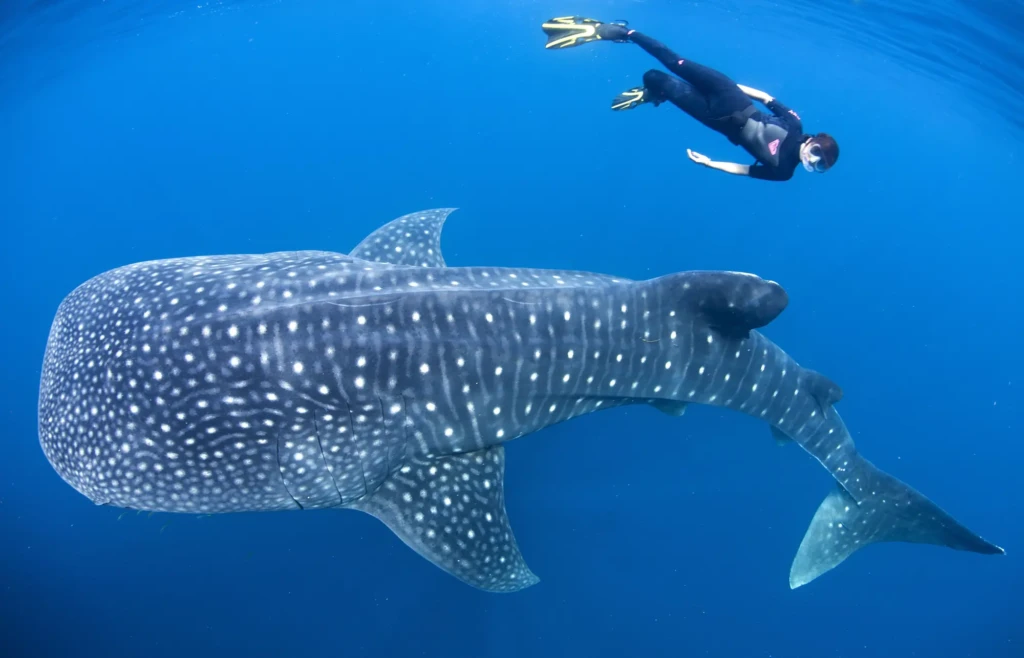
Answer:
(386, 381)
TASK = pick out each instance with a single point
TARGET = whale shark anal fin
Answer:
(451, 510)
(411, 240)
(781, 438)
(670, 407)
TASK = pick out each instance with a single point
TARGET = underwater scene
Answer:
(518, 328)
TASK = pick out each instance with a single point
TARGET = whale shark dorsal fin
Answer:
(413, 239)
(451, 510)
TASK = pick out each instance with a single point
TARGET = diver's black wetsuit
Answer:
(714, 99)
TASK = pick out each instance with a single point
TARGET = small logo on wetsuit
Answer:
(796, 115)
(773, 147)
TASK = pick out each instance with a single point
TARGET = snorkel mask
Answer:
(813, 159)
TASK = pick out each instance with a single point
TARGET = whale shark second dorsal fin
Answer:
(824, 391)
(412, 240)
(451, 510)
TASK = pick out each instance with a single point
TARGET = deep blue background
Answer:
(305, 124)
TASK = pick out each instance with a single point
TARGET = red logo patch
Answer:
(773, 147)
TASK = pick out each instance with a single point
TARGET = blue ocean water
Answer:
(132, 131)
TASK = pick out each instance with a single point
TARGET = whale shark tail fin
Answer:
(884, 509)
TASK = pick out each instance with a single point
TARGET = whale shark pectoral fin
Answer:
(451, 510)
(670, 407)
(824, 391)
(888, 511)
(413, 239)
(781, 438)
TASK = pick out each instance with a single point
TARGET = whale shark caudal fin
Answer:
(413, 239)
(887, 511)
(451, 510)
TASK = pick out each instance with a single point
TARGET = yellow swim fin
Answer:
(569, 31)
(629, 99)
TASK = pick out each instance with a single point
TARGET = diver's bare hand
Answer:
(698, 158)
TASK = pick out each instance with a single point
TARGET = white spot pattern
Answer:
(167, 386)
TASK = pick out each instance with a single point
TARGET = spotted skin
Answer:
(413, 239)
(385, 381)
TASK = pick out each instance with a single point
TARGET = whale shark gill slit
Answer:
(323, 457)
(284, 480)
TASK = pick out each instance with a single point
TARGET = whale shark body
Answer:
(387, 382)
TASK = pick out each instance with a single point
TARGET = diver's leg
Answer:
(660, 87)
(706, 79)
(714, 111)
(568, 31)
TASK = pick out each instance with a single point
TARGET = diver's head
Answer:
(819, 153)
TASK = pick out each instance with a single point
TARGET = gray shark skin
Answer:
(387, 382)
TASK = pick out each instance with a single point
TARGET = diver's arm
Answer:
(779, 109)
(727, 167)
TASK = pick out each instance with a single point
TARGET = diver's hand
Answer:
(756, 94)
(727, 167)
(698, 158)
